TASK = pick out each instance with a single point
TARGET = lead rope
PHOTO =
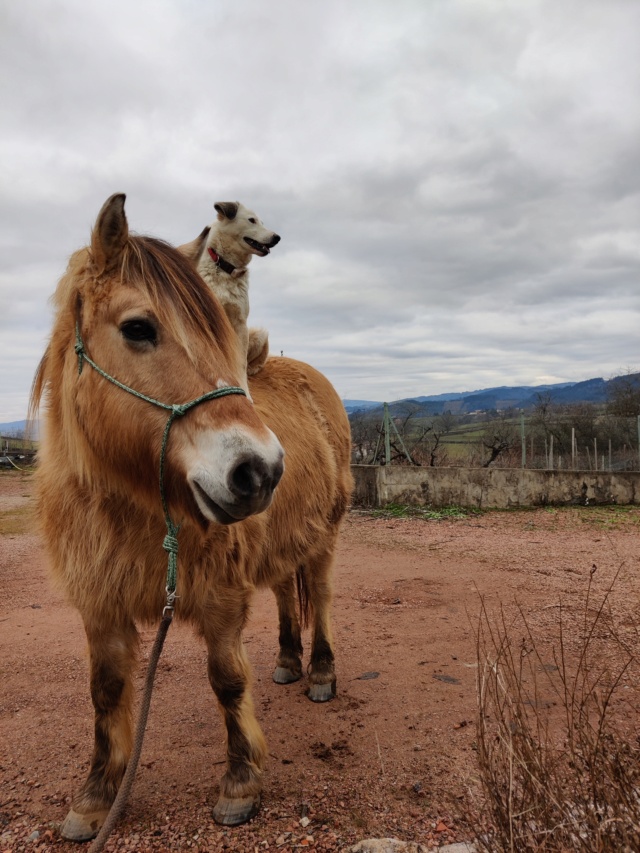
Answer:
(170, 545)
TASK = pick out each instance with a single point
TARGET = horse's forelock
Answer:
(178, 294)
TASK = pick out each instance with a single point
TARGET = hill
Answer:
(495, 399)
(359, 405)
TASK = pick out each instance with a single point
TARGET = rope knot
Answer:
(179, 408)
(79, 350)
(170, 544)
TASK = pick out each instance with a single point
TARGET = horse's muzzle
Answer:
(234, 486)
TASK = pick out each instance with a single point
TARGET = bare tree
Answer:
(623, 395)
(499, 436)
(364, 436)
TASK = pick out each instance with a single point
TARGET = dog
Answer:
(221, 254)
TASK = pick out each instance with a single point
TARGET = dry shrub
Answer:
(558, 772)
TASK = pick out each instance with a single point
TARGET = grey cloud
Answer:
(456, 185)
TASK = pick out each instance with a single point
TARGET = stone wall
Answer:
(378, 485)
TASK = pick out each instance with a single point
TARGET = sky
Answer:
(456, 182)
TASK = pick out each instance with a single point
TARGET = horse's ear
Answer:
(227, 209)
(193, 250)
(110, 233)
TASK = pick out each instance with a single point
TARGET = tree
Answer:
(623, 395)
(364, 436)
(499, 436)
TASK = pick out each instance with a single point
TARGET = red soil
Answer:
(392, 755)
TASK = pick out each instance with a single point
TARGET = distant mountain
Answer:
(499, 398)
(12, 428)
(463, 395)
(359, 405)
(591, 391)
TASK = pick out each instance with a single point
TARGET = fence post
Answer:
(387, 436)
(639, 441)
(524, 444)
(573, 448)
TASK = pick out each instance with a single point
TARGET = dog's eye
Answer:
(252, 220)
(139, 331)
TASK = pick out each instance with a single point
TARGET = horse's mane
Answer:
(184, 304)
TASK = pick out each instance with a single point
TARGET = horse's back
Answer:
(304, 411)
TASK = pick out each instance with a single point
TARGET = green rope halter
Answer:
(170, 543)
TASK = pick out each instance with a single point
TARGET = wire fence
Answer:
(595, 441)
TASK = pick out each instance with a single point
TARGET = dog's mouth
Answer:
(260, 248)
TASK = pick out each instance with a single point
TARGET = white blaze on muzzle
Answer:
(233, 473)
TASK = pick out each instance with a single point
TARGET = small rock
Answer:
(35, 835)
(304, 822)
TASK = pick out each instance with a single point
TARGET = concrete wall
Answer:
(378, 485)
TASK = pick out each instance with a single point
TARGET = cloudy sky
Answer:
(456, 182)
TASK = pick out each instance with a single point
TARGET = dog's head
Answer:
(238, 222)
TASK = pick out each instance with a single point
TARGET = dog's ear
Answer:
(193, 250)
(227, 209)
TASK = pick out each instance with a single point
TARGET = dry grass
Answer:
(558, 743)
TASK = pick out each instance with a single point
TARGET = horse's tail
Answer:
(304, 603)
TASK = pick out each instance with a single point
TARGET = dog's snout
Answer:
(274, 241)
(253, 477)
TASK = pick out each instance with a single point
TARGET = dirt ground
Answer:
(392, 755)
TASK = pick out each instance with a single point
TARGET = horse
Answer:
(246, 507)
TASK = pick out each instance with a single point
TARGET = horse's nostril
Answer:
(253, 477)
(243, 480)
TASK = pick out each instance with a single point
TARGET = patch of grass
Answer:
(612, 515)
(424, 512)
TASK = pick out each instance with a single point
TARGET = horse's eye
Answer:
(252, 220)
(139, 331)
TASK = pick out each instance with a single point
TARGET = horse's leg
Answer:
(322, 673)
(112, 653)
(289, 661)
(230, 678)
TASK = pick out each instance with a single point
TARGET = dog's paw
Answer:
(257, 350)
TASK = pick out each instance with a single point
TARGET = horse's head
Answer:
(147, 320)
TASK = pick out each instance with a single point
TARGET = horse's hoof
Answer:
(234, 812)
(283, 675)
(82, 827)
(322, 692)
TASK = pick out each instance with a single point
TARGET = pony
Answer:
(252, 508)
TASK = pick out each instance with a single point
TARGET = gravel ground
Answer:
(391, 757)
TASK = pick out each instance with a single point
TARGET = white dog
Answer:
(221, 254)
